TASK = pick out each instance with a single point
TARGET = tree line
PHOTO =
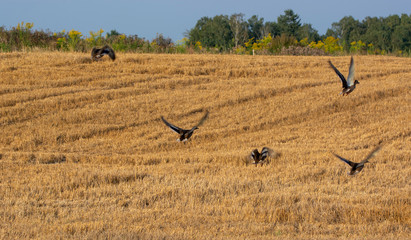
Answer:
(376, 35)
(225, 32)
(236, 34)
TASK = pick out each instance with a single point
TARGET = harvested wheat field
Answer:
(84, 153)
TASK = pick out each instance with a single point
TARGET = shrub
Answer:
(95, 38)
(262, 46)
(161, 44)
(330, 45)
(118, 42)
(302, 51)
(357, 46)
(181, 45)
(283, 41)
(23, 31)
(61, 43)
(74, 38)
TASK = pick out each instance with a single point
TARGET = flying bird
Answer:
(97, 53)
(349, 84)
(261, 158)
(357, 167)
(185, 134)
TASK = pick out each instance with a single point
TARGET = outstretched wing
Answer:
(350, 78)
(372, 154)
(345, 160)
(94, 52)
(109, 51)
(202, 119)
(254, 155)
(171, 126)
(199, 123)
(344, 82)
(268, 152)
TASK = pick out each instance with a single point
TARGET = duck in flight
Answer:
(349, 83)
(97, 53)
(260, 158)
(185, 134)
(357, 167)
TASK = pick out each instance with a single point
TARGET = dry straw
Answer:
(84, 153)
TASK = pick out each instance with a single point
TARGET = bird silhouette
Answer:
(349, 84)
(185, 134)
(261, 158)
(97, 53)
(357, 167)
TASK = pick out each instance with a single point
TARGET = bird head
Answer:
(356, 82)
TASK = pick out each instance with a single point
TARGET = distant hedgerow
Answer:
(24, 38)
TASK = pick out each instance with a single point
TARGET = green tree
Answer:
(401, 38)
(307, 31)
(390, 23)
(375, 33)
(198, 32)
(212, 32)
(383, 34)
(238, 27)
(112, 33)
(273, 28)
(347, 29)
(255, 27)
(289, 23)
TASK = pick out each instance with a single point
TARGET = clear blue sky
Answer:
(172, 18)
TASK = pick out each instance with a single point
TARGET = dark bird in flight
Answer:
(357, 167)
(97, 53)
(185, 134)
(261, 158)
(349, 84)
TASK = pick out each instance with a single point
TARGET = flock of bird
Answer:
(348, 86)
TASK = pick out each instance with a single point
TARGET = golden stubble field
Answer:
(85, 155)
